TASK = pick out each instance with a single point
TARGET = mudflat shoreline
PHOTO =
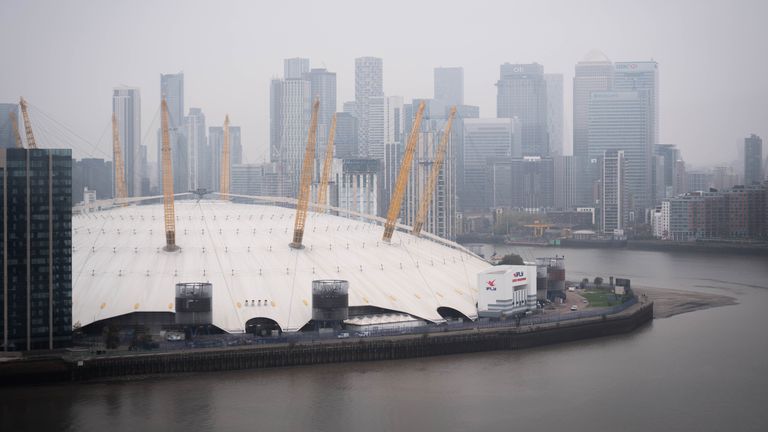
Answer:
(671, 302)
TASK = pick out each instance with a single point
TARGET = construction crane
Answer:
(170, 214)
(27, 125)
(15, 126)
(322, 194)
(224, 177)
(402, 177)
(120, 189)
(538, 228)
(306, 180)
(429, 189)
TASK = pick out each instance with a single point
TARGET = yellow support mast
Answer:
(15, 125)
(170, 214)
(429, 189)
(224, 176)
(27, 124)
(322, 193)
(120, 189)
(306, 180)
(402, 177)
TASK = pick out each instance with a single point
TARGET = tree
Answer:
(584, 283)
(598, 281)
(511, 259)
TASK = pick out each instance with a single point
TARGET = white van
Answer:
(571, 288)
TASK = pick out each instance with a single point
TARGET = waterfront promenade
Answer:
(438, 340)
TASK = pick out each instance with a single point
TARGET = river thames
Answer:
(706, 370)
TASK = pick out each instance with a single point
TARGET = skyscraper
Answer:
(322, 86)
(613, 200)
(369, 83)
(753, 158)
(522, 93)
(393, 146)
(293, 110)
(376, 116)
(36, 301)
(7, 134)
(198, 157)
(521, 183)
(671, 155)
(172, 90)
(636, 76)
(564, 182)
(215, 143)
(345, 142)
(555, 112)
(484, 139)
(449, 85)
(593, 73)
(295, 68)
(126, 105)
(441, 214)
(621, 121)
(358, 185)
(94, 174)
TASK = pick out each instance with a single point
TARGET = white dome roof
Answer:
(119, 265)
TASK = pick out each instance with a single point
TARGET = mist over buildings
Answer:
(66, 58)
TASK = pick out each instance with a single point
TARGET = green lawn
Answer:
(601, 298)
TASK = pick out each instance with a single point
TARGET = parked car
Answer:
(574, 308)
(342, 335)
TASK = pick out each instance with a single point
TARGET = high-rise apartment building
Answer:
(94, 174)
(621, 121)
(564, 182)
(449, 85)
(521, 183)
(215, 143)
(641, 76)
(369, 83)
(753, 158)
(262, 179)
(345, 141)
(441, 214)
(594, 73)
(555, 112)
(358, 187)
(295, 68)
(36, 300)
(485, 139)
(394, 118)
(126, 105)
(292, 104)
(7, 134)
(671, 155)
(172, 90)
(322, 85)
(198, 161)
(613, 200)
(522, 93)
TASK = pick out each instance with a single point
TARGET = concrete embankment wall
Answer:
(400, 347)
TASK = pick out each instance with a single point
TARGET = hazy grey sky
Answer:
(66, 56)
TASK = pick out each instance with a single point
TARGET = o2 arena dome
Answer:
(242, 250)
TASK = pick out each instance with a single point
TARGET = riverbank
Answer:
(702, 247)
(669, 302)
(86, 367)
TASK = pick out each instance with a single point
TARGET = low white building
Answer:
(506, 290)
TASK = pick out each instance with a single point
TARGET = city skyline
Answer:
(238, 81)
